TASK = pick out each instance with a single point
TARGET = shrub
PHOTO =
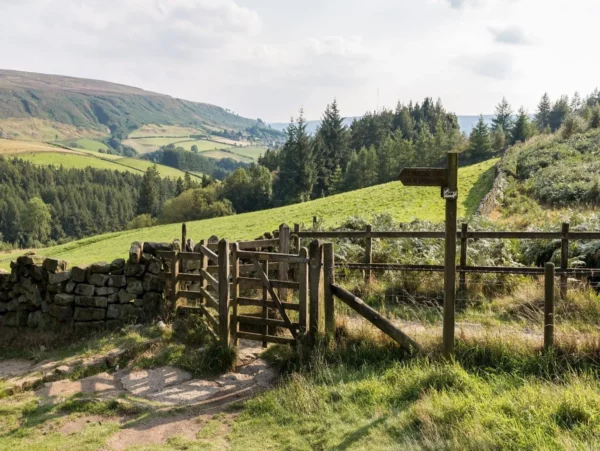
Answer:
(141, 221)
(572, 125)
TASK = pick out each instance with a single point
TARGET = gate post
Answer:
(564, 259)
(549, 305)
(316, 262)
(303, 291)
(328, 280)
(224, 292)
(284, 248)
(174, 282)
(235, 286)
(450, 195)
(204, 266)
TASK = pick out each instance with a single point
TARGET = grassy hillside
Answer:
(94, 104)
(150, 130)
(404, 203)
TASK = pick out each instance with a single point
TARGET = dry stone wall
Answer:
(47, 293)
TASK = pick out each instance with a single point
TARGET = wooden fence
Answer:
(565, 236)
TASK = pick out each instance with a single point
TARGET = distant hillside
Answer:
(403, 203)
(466, 123)
(98, 105)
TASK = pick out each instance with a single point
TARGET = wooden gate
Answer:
(278, 309)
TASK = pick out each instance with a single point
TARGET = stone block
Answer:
(152, 282)
(55, 265)
(134, 286)
(114, 324)
(152, 300)
(125, 297)
(117, 265)
(78, 273)
(70, 286)
(38, 274)
(152, 248)
(105, 291)
(91, 301)
(97, 279)
(64, 299)
(34, 318)
(4, 296)
(83, 289)
(34, 296)
(154, 266)
(89, 314)
(134, 269)
(45, 307)
(117, 281)
(100, 268)
(61, 312)
(30, 259)
(60, 277)
(58, 288)
(15, 319)
(112, 298)
(12, 306)
(135, 252)
(3, 308)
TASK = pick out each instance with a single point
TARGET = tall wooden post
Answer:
(549, 273)
(174, 283)
(462, 277)
(303, 292)
(224, 292)
(204, 266)
(184, 238)
(284, 248)
(328, 280)
(451, 196)
(297, 241)
(368, 253)
(564, 259)
(235, 292)
(315, 220)
(315, 256)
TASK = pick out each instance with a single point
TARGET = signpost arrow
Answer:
(423, 177)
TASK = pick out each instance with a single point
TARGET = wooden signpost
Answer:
(447, 179)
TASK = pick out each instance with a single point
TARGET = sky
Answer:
(269, 58)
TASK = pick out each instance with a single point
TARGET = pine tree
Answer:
(188, 181)
(576, 102)
(297, 174)
(522, 129)
(542, 117)
(370, 165)
(504, 117)
(331, 147)
(336, 181)
(480, 144)
(180, 188)
(498, 139)
(150, 193)
(560, 111)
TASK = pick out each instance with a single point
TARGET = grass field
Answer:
(164, 130)
(249, 152)
(72, 161)
(35, 129)
(403, 203)
(219, 155)
(11, 147)
(147, 145)
(85, 144)
(203, 145)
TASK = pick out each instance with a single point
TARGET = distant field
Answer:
(11, 146)
(403, 203)
(35, 129)
(203, 145)
(147, 145)
(72, 160)
(250, 151)
(164, 130)
(219, 155)
(85, 144)
(231, 142)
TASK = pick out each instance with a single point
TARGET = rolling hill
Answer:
(90, 107)
(403, 203)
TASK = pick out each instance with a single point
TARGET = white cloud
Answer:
(514, 35)
(496, 65)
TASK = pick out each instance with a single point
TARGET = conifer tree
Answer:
(560, 111)
(336, 181)
(150, 193)
(504, 117)
(522, 129)
(480, 143)
(180, 187)
(542, 117)
(498, 139)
